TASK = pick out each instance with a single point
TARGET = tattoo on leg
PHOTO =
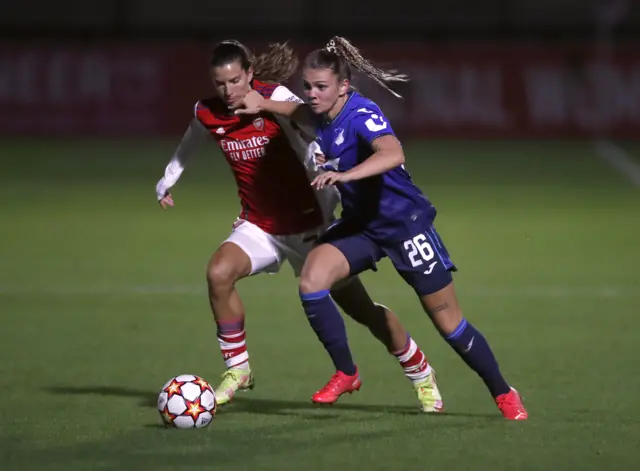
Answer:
(440, 307)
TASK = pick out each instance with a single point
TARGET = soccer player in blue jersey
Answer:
(384, 215)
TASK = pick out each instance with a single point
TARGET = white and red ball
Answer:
(187, 401)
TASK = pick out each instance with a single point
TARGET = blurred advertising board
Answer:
(458, 90)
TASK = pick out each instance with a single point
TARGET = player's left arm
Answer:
(387, 155)
(300, 117)
(313, 157)
(291, 107)
(371, 126)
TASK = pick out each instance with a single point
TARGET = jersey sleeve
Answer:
(299, 122)
(370, 123)
(201, 113)
(194, 136)
(282, 93)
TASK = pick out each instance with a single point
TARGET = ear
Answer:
(343, 88)
(250, 74)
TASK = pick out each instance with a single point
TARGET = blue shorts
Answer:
(422, 260)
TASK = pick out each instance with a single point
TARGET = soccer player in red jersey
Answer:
(281, 216)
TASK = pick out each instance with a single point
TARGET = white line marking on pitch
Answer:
(619, 160)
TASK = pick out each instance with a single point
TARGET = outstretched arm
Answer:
(196, 133)
(297, 111)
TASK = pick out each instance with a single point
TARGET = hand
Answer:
(329, 179)
(320, 158)
(166, 200)
(251, 103)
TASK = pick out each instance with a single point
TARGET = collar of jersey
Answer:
(351, 93)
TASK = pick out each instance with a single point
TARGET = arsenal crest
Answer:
(258, 123)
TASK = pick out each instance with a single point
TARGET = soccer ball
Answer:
(187, 401)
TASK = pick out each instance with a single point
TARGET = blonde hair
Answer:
(347, 52)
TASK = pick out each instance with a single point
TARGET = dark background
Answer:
(305, 19)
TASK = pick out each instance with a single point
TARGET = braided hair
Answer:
(341, 57)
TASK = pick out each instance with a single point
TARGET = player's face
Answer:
(326, 93)
(232, 82)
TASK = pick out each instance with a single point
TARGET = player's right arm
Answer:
(195, 134)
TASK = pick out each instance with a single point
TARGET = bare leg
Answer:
(228, 265)
(355, 301)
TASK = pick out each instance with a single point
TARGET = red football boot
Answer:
(339, 384)
(510, 404)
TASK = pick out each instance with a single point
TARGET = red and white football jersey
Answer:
(265, 156)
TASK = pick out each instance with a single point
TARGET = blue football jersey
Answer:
(387, 206)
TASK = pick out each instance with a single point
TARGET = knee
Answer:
(221, 276)
(312, 281)
(324, 266)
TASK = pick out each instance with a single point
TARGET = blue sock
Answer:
(327, 323)
(475, 351)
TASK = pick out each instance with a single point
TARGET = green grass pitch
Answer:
(102, 299)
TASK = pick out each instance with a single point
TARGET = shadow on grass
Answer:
(246, 404)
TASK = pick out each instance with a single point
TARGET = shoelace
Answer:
(228, 375)
(508, 398)
(333, 383)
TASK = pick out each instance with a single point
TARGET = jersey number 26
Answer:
(418, 245)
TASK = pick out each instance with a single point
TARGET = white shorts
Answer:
(268, 252)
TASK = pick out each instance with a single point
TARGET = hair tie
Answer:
(331, 47)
